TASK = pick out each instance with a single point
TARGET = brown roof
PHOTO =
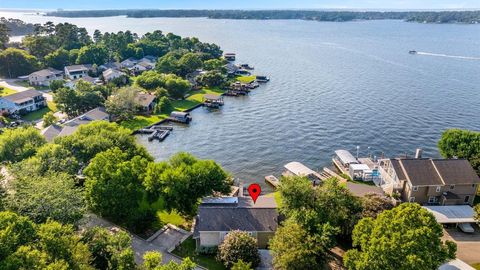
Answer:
(421, 172)
(398, 169)
(456, 171)
(145, 99)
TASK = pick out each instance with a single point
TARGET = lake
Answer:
(333, 86)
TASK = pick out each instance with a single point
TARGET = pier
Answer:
(159, 134)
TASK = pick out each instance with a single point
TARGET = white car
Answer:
(466, 227)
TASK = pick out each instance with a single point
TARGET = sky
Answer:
(241, 4)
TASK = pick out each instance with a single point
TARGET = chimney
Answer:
(418, 153)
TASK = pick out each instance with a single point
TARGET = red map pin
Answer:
(254, 190)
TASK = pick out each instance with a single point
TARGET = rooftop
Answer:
(22, 96)
(345, 157)
(145, 99)
(298, 168)
(74, 68)
(452, 213)
(46, 72)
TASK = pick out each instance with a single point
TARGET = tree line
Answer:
(332, 16)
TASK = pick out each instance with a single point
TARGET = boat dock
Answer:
(272, 180)
(159, 134)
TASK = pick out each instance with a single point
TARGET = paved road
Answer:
(10, 83)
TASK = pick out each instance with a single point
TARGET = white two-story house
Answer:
(22, 102)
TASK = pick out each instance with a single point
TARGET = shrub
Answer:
(237, 246)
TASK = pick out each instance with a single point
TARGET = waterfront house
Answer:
(77, 71)
(146, 102)
(22, 102)
(218, 216)
(44, 77)
(111, 74)
(431, 181)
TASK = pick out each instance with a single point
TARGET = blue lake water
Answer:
(333, 85)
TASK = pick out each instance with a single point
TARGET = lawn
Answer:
(52, 106)
(36, 115)
(246, 79)
(4, 91)
(191, 101)
(187, 249)
(27, 84)
(141, 121)
(476, 266)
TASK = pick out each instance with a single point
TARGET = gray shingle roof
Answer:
(456, 171)
(145, 99)
(74, 68)
(236, 218)
(46, 72)
(51, 132)
(22, 96)
(421, 172)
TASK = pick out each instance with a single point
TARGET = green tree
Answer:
(189, 62)
(164, 105)
(19, 144)
(58, 59)
(184, 180)
(92, 54)
(50, 158)
(49, 119)
(123, 104)
(241, 265)
(82, 98)
(115, 192)
(406, 237)
(212, 79)
(16, 62)
(151, 80)
(177, 87)
(57, 84)
(4, 35)
(39, 46)
(374, 204)
(42, 197)
(98, 136)
(461, 144)
(214, 64)
(15, 231)
(294, 248)
(168, 64)
(109, 251)
(161, 92)
(236, 246)
(153, 261)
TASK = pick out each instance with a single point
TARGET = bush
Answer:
(237, 246)
(207, 250)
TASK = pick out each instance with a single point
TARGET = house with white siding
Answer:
(44, 77)
(77, 71)
(22, 102)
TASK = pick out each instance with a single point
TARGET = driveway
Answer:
(468, 245)
(10, 83)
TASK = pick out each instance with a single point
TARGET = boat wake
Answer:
(448, 56)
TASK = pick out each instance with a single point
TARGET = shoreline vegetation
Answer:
(466, 17)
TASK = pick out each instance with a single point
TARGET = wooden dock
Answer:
(159, 135)
(272, 180)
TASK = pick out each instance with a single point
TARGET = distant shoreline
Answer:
(441, 17)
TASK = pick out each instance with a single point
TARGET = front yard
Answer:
(38, 115)
(187, 249)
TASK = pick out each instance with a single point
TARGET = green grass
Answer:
(246, 79)
(195, 98)
(52, 106)
(4, 91)
(187, 249)
(368, 183)
(141, 121)
(476, 266)
(36, 115)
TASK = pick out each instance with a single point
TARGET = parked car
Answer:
(466, 227)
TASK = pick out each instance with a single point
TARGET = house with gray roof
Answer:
(431, 181)
(111, 74)
(69, 127)
(45, 76)
(77, 71)
(22, 102)
(217, 217)
(146, 101)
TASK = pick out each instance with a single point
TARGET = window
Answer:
(467, 199)
(438, 189)
(432, 199)
(411, 199)
(415, 188)
(452, 186)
